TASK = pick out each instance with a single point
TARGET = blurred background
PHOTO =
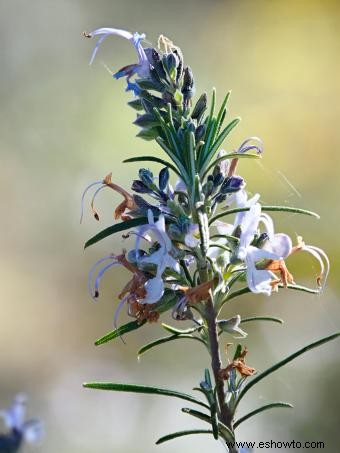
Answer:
(64, 124)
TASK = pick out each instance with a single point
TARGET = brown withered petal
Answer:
(280, 266)
(239, 365)
(199, 293)
(128, 202)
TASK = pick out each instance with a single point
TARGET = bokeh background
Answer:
(64, 124)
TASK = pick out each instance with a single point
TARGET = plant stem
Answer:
(225, 415)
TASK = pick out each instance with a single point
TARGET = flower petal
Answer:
(154, 290)
(281, 245)
(33, 431)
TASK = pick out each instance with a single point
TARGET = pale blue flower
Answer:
(142, 68)
(191, 239)
(31, 431)
(161, 257)
(232, 326)
(277, 247)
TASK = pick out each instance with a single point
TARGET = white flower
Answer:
(161, 257)
(191, 239)
(135, 38)
(232, 326)
(259, 280)
(277, 247)
(14, 419)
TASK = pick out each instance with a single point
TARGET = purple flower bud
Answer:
(140, 187)
(146, 176)
(163, 178)
(232, 184)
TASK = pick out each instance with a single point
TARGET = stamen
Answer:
(99, 277)
(93, 270)
(95, 213)
(243, 148)
(268, 223)
(318, 253)
(146, 237)
(118, 310)
(83, 197)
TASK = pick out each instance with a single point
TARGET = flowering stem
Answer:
(225, 415)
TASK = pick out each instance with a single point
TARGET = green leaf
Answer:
(197, 414)
(221, 113)
(262, 318)
(153, 159)
(283, 362)
(129, 327)
(238, 351)
(261, 409)
(265, 209)
(190, 149)
(207, 377)
(167, 301)
(182, 433)
(222, 429)
(163, 340)
(230, 156)
(176, 331)
(174, 158)
(220, 139)
(246, 290)
(116, 228)
(117, 387)
(207, 142)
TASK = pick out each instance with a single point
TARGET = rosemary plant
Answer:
(184, 258)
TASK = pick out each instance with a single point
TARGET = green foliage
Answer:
(181, 434)
(122, 330)
(262, 318)
(283, 362)
(117, 387)
(265, 209)
(266, 407)
(152, 159)
(164, 340)
(116, 228)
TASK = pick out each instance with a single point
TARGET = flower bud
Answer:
(232, 184)
(188, 85)
(200, 107)
(218, 179)
(170, 62)
(146, 120)
(177, 51)
(155, 60)
(141, 203)
(208, 188)
(163, 178)
(200, 132)
(146, 176)
(140, 187)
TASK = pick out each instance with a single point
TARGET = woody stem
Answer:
(216, 364)
(225, 415)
